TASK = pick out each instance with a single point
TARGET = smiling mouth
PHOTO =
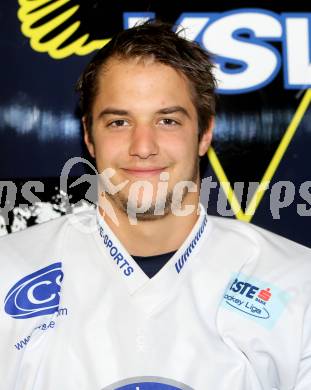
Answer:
(143, 172)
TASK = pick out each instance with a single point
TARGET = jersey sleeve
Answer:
(304, 370)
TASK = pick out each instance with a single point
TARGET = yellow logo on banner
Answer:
(32, 14)
(272, 167)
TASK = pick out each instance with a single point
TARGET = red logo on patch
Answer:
(265, 295)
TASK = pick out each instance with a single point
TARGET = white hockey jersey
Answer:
(230, 310)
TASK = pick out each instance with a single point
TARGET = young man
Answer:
(150, 292)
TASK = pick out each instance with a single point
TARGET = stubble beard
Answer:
(129, 207)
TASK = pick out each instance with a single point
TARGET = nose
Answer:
(144, 142)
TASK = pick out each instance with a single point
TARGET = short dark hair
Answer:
(157, 40)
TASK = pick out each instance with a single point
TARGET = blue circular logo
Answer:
(36, 294)
(148, 383)
(148, 386)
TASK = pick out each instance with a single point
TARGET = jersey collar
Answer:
(145, 291)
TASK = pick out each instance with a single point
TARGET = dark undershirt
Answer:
(152, 264)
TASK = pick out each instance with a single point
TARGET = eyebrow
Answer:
(112, 111)
(172, 110)
(167, 110)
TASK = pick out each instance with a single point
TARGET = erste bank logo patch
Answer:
(36, 294)
(256, 299)
(148, 383)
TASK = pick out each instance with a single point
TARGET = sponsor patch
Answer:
(148, 383)
(36, 294)
(255, 299)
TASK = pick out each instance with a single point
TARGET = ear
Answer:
(206, 138)
(88, 139)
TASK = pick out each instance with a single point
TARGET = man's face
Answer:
(144, 124)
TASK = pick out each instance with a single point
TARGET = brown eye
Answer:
(168, 122)
(118, 123)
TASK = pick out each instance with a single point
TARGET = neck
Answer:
(157, 236)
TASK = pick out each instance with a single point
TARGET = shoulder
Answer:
(272, 253)
(258, 235)
(47, 230)
(26, 249)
